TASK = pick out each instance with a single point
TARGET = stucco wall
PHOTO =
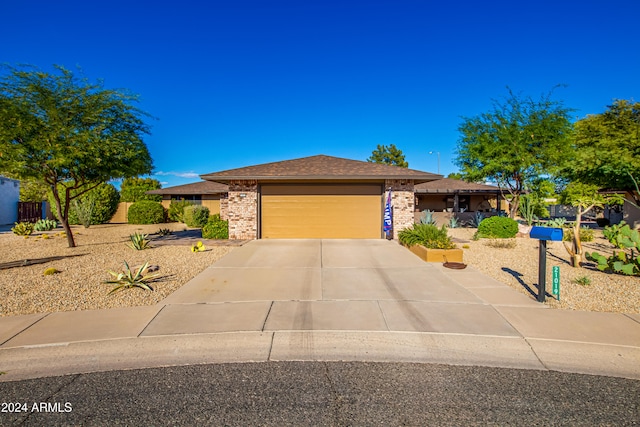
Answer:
(9, 197)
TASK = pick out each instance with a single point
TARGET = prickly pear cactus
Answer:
(625, 260)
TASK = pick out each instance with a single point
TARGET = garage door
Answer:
(321, 211)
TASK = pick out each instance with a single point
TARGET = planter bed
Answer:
(437, 255)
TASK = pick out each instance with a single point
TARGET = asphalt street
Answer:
(322, 393)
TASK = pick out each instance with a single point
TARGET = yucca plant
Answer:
(138, 241)
(163, 232)
(129, 279)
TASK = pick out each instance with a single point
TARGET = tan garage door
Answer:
(321, 211)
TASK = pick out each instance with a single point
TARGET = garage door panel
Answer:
(321, 215)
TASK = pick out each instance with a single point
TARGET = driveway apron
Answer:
(332, 285)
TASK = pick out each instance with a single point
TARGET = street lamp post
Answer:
(438, 153)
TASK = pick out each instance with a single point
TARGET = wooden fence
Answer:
(29, 211)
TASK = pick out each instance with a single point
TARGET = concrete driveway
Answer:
(360, 300)
(350, 285)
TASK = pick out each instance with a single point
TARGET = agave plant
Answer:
(163, 232)
(453, 222)
(129, 279)
(427, 217)
(477, 219)
(138, 241)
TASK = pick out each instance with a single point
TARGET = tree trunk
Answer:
(576, 258)
(514, 204)
(63, 216)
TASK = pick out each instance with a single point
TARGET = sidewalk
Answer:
(330, 301)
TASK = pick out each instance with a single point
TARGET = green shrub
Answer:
(135, 189)
(196, 216)
(498, 227)
(176, 210)
(586, 234)
(215, 228)
(146, 212)
(102, 202)
(557, 222)
(83, 210)
(23, 228)
(427, 235)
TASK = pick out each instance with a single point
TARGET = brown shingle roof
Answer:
(320, 167)
(203, 187)
(450, 186)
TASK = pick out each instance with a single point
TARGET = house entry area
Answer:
(321, 211)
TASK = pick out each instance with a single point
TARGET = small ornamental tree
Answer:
(68, 133)
(584, 197)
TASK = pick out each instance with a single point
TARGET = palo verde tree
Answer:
(69, 133)
(517, 141)
(388, 155)
(584, 197)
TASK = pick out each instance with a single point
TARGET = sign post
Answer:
(543, 234)
(556, 281)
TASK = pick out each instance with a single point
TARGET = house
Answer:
(316, 197)
(205, 193)
(449, 197)
(628, 212)
(9, 198)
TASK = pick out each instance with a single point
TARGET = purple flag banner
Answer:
(387, 223)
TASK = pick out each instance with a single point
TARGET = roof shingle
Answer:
(320, 167)
(450, 186)
(202, 187)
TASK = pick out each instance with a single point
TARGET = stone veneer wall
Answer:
(242, 209)
(403, 202)
(224, 206)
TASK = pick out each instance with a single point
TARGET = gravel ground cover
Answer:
(79, 285)
(518, 268)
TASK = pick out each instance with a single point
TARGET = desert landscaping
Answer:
(79, 285)
(100, 248)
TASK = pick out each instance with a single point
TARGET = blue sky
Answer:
(237, 83)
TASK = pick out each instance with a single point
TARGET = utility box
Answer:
(546, 233)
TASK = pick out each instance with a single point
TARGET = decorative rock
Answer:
(149, 269)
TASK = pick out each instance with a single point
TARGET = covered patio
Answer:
(449, 197)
